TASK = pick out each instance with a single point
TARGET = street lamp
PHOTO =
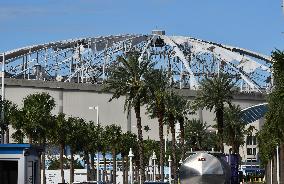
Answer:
(98, 162)
(170, 170)
(130, 155)
(154, 157)
(97, 109)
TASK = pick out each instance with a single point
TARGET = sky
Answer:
(257, 25)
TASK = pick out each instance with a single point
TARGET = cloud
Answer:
(12, 12)
(51, 9)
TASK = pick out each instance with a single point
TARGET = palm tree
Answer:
(88, 147)
(182, 110)
(18, 125)
(157, 84)
(10, 117)
(171, 115)
(72, 138)
(234, 128)
(196, 135)
(37, 123)
(151, 146)
(60, 137)
(104, 145)
(75, 138)
(126, 79)
(96, 143)
(83, 142)
(128, 140)
(214, 93)
(114, 138)
(37, 116)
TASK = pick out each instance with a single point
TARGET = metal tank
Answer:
(204, 168)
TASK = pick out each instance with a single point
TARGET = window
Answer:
(254, 140)
(251, 151)
(8, 171)
(251, 140)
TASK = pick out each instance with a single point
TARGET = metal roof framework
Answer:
(189, 60)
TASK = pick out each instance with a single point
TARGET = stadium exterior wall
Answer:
(74, 99)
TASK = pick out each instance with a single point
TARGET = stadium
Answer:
(74, 71)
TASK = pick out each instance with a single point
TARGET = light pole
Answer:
(180, 164)
(97, 109)
(98, 162)
(277, 165)
(150, 169)
(154, 157)
(166, 140)
(3, 96)
(170, 170)
(130, 155)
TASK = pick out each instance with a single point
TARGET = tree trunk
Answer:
(267, 173)
(237, 151)
(140, 142)
(72, 166)
(7, 135)
(136, 171)
(235, 147)
(88, 165)
(162, 143)
(126, 173)
(22, 138)
(123, 169)
(61, 162)
(30, 139)
(105, 171)
(281, 160)
(174, 162)
(114, 165)
(39, 167)
(2, 136)
(274, 169)
(181, 123)
(93, 168)
(43, 165)
(220, 126)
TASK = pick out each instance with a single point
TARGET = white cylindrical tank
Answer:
(204, 168)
